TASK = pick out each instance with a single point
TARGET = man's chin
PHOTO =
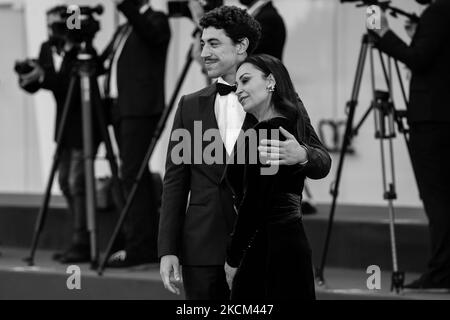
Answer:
(213, 73)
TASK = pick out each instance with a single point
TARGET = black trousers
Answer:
(72, 183)
(133, 135)
(205, 283)
(430, 154)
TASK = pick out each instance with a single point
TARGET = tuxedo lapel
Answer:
(209, 121)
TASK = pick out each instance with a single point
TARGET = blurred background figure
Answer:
(53, 71)
(428, 58)
(134, 89)
(273, 36)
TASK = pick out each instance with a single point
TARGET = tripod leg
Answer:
(88, 149)
(345, 145)
(42, 215)
(384, 117)
(144, 166)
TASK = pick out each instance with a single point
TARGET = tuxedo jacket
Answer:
(428, 57)
(273, 33)
(142, 63)
(197, 213)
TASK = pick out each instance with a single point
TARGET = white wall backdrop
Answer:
(322, 48)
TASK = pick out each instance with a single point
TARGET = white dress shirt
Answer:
(230, 117)
(57, 59)
(113, 90)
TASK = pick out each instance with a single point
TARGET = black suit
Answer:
(273, 33)
(198, 232)
(135, 114)
(428, 57)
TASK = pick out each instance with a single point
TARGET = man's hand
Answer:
(169, 269)
(230, 272)
(410, 28)
(288, 152)
(35, 75)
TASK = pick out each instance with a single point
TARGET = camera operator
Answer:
(428, 58)
(135, 61)
(53, 71)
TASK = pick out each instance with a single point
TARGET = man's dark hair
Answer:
(236, 23)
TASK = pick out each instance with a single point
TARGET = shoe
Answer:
(426, 284)
(121, 260)
(77, 253)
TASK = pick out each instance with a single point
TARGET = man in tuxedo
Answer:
(195, 234)
(428, 58)
(273, 30)
(53, 71)
(135, 61)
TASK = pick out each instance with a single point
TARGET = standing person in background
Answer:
(134, 89)
(53, 71)
(428, 58)
(273, 30)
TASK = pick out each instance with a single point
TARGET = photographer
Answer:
(135, 61)
(53, 71)
(428, 58)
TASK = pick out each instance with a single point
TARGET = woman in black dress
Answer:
(269, 256)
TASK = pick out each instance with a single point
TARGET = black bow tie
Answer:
(224, 89)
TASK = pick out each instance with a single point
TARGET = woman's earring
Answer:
(270, 88)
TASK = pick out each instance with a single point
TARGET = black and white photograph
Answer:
(225, 158)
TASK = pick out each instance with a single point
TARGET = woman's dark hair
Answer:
(284, 98)
(236, 23)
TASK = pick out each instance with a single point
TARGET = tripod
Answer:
(83, 72)
(385, 116)
(144, 166)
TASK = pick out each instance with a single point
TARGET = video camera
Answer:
(385, 5)
(24, 66)
(61, 17)
(180, 8)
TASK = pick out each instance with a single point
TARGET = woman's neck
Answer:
(267, 113)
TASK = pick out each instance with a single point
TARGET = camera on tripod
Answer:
(385, 5)
(181, 8)
(88, 25)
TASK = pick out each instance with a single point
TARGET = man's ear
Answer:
(242, 45)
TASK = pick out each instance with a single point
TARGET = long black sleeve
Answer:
(319, 161)
(431, 36)
(153, 29)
